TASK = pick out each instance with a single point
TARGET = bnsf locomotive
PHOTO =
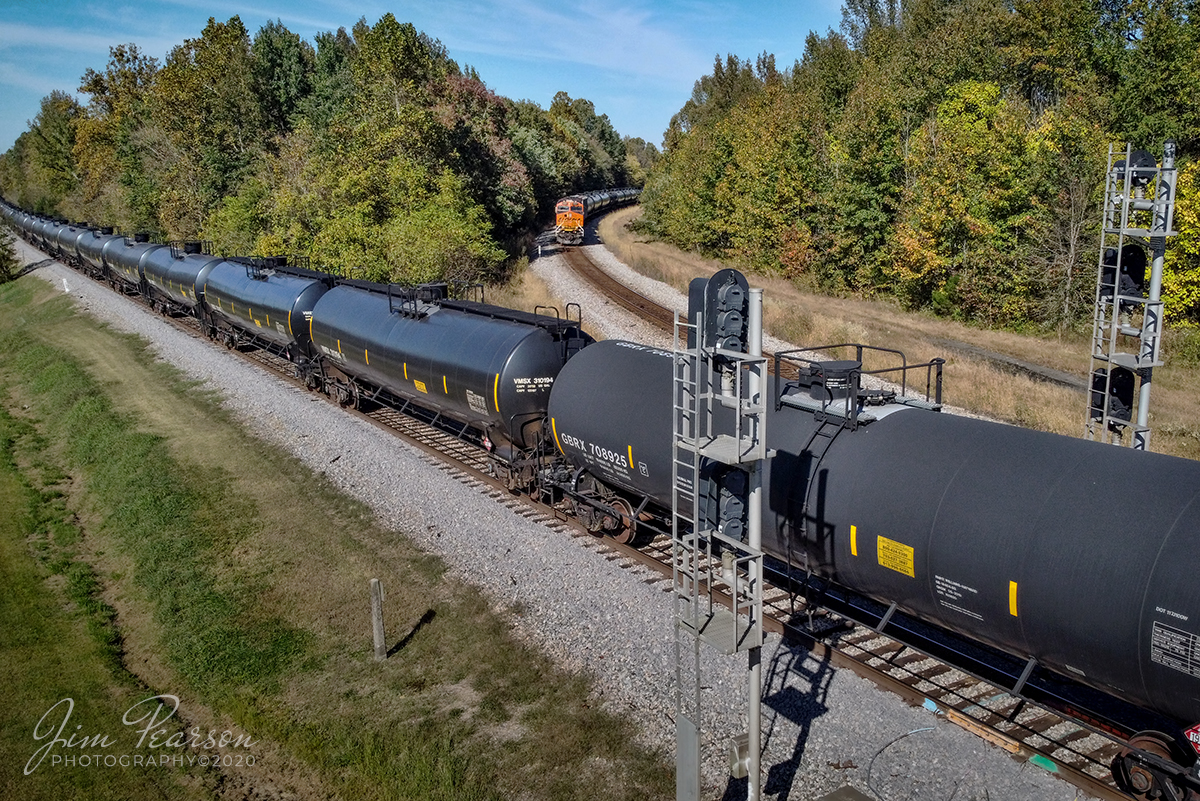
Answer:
(572, 212)
(1065, 570)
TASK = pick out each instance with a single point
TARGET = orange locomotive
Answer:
(573, 211)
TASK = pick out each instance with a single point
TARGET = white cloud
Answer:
(37, 83)
(620, 38)
(14, 35)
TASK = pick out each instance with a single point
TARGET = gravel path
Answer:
(825, 728)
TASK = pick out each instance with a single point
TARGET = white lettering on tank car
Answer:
(951, 589)
(574, 442)
(533, 384)
(612, 457)
(595, 454)
(1162, 610)
(644, 348)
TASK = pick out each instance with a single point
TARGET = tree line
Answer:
(370, 151)
(947, 153)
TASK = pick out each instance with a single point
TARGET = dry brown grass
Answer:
(974, 384)
(527, 292)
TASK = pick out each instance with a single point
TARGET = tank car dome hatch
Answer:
(833, 380)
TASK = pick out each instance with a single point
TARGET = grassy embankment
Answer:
(155, 547)
(975, 384)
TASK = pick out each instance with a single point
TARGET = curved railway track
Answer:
(1077, 754)
(639, 305)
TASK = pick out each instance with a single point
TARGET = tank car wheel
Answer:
(624, 529)
(1141, 780)
(348, 395)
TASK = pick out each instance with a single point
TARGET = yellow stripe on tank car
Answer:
(444, 386)
(630, 457)
(367, 355)
(406, 371)
(854, 540)
(496, 392)
(1012, 598)
(290, 334)
(554, 429)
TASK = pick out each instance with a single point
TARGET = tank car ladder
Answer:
(1129, 218)
(705, 561)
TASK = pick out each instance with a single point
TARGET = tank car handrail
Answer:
(556, 325)
(181, 248)
(260, 268)
(578, 314)
(933, 388)
(414, 301)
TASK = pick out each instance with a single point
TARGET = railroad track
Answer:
(639, 305)
(1076, 753)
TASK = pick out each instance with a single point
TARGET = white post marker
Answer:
(377, 620)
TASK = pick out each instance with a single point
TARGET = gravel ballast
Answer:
(824, 728)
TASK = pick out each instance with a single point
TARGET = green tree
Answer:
(640, 158)
(396, 67)
(1159, 93)
(714, 96)
(1067, 150)
(861, 192)
(10, 265)
(113, 175)
(53, 140)
(205, 101)
(962, 230)
(332, 79)
(283, 68)
(1181, 266)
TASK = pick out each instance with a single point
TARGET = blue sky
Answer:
(635, 59)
